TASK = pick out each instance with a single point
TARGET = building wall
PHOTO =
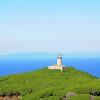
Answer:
(56, 67)
(59, 61)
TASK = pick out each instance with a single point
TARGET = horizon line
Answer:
(4, 54)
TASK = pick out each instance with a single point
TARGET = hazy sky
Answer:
(49, 25)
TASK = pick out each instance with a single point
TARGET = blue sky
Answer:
(49, 26)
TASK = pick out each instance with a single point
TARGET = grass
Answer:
(45, 84)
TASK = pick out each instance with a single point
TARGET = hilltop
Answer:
(45, 84)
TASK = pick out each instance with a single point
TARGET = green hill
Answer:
(45, 84)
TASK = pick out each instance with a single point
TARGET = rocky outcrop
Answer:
(10, 96)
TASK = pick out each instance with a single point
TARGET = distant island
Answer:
(45, 84)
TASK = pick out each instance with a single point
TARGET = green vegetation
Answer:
(45, 84)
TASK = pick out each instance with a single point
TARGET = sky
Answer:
(49, 26)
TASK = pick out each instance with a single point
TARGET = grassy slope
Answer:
(47, 84)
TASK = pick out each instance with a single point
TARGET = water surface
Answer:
(13, 66)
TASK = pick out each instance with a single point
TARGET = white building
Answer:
(58, 65)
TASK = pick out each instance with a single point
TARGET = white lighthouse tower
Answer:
(59, 60)
(58, 65)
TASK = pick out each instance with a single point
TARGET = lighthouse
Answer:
(58, 65)
(59, 60)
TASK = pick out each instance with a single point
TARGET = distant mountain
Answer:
(45, 84)
(30, 55)
(47, 55)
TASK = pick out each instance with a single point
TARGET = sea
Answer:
(13, 66)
